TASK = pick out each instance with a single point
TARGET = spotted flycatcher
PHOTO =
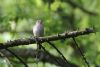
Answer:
(38, 29)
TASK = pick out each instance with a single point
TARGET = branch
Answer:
(83, 56)
(73, 4)
(53, 45)
(14, 54)
(14, 31)
(43, 56)
(28, 41)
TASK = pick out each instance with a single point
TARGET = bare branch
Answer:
(43, 56)
(28, 41)
(73, 4)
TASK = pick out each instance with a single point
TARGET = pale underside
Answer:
(38, 30)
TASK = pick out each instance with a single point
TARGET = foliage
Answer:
(18, 16)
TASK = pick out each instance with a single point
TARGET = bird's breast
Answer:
(38, 30)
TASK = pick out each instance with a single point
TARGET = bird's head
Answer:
(39, 22)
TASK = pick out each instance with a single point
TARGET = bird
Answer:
(38, 29)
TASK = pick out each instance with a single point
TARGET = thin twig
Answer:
(38, 49)
(46, 57)
(6, 58)
(74, 4)
(81, 52)
(52, 57)
(52, 44)
(17, 57)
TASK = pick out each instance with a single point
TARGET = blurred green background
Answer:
(17, 18)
